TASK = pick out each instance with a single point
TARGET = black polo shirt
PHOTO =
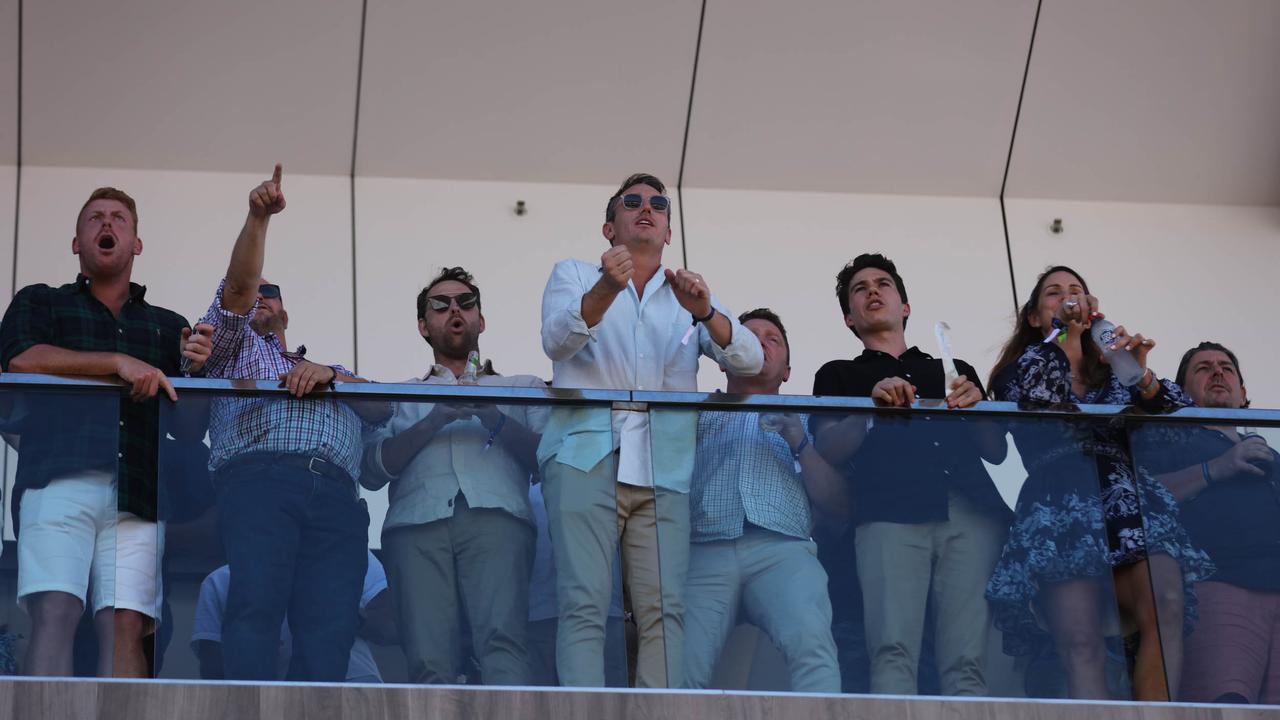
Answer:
(906, 467)
(1236, 520)
(67, 433)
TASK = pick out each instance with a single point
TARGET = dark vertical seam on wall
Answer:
(355, 144)
(17, 190)
(684, 147)
(1008, 162)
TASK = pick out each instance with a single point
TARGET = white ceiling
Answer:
(1153, 101)
(567, 91)
(914, 96)
(229, 85)
(1145, 100)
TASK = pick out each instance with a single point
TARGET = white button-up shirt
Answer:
(636, 346)
(454, 460)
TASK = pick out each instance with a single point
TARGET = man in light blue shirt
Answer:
(754, 480)
(627, 323)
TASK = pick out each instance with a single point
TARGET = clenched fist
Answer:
(616, 268)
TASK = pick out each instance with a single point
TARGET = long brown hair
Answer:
(1092, 369)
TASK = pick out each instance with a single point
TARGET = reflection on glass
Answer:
(753, 482)
(73, 515)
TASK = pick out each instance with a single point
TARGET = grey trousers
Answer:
(782, 588)
(481, 558)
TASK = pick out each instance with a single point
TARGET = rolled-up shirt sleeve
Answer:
(564, 332)
(231, 332)
(742, 356)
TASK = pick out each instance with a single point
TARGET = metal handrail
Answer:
(638, 398)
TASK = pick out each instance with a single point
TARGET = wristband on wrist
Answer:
(1204, 470)
(333, 381)
(493, 434)
(795, 452)
(706, 319)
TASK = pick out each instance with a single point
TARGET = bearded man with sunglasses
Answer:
(293, 524)
(459, 533)
(627, 323)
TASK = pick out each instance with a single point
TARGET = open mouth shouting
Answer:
(106, 241)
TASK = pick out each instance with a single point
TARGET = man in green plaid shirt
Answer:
(85, 494)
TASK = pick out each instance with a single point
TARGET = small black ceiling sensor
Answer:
(520, 208)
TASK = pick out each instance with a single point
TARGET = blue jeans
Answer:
(296, 543)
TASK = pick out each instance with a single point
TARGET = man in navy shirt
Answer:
(1227, 484)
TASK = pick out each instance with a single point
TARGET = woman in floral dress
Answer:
(1087, 523)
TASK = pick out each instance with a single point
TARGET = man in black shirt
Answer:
(929, 522)
(1227, 484)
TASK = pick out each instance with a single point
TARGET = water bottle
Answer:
(1123, 364)
(472, 369)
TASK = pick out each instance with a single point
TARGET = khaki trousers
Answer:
(591, 517)
(901, 567)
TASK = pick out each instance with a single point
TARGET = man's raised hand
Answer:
(691, 291)
(616, 268)
(268, 198)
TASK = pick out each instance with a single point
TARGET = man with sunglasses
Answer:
(293, 524)
(459, 533)
(627, 323)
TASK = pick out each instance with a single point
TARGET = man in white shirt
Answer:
(377, 616)
(459, 533)
(627, 323)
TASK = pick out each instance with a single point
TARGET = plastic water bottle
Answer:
(472, 369)
(1122, 362)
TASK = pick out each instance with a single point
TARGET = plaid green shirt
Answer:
(67, 432)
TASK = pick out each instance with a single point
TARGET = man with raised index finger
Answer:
(85, 493)
(628, 322)
(293, 524)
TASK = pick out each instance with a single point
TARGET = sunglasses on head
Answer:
(441, 303)
(633, 201)
(269, 290)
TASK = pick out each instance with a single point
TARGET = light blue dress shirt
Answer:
(636, 346)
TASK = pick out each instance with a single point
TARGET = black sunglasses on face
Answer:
(269, 290)
(633, 201)
(441, 303)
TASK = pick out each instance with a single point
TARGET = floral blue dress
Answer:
(1082, 510)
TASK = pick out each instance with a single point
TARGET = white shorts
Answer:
(71, 538)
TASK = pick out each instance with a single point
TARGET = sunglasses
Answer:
(633, 201)
(269, 290)
(441, 303)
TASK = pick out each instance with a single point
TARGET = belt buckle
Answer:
(312, 465)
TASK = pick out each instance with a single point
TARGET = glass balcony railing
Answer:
(529, 536)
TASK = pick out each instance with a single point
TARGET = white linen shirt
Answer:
(635, 346)
(454, 460)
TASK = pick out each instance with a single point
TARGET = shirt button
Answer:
(121, 423)
(935, 443)
(120, 330)
(946, 472)
(120, 455)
